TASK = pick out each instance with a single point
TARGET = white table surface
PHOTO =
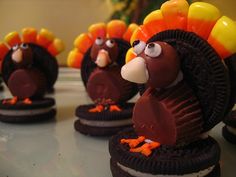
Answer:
(55, 149)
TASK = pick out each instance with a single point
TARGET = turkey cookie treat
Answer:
(229, 130)
(100, 53)
(29, 69)
(184, 58)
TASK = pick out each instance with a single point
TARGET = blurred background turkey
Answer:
(29, 66)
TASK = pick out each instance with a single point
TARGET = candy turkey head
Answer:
(104, 52)
(22, 55)
(157, 64)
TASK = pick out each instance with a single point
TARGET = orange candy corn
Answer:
(29, 35)
(116, 29)
(202, 18)
(12, 38)
(75, 59)
(83, 42)
(130, 55)
(56, 47)
(45, 37)
(97, 30)
(175, 13)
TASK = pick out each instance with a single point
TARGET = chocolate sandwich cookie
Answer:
(199, 158)
(103, 123)
(20, 112)
(229, 130)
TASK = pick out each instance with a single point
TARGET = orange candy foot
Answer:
(98, 108)
(27, 101)
(146, 149)
(133, 142)
(11, 101)
(114, 108)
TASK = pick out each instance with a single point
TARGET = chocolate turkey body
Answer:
(168, 111)
(26, 81)
(105, 84)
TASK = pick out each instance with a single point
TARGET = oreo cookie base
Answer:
(197, 159)
(39, 110)
(103, 123)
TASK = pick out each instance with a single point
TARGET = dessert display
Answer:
(100, 54)
(184, 58)
(29, 69)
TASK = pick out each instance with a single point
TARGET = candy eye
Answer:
(99, 41)
(15, 47)
(138, 46)
(110, 43)
(24, 46)
(153, 50)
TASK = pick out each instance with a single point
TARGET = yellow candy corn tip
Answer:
(97, 26)
(46, 33)
(204, 11)
(132, 27)
(59, 45)
(82, 37)
(101, 24)
(224, 32)
(134, 36)
(155, 15)
(11, 36)
(117, 22)
(72, 57)
(29, 30)
(175, 6)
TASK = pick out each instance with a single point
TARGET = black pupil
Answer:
(111, 41)
(151, 45)
(135, 43)
(24, 45)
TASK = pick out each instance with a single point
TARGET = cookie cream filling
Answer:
(231, 130)
(135, 173)
(28, 112)
(112, 123)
